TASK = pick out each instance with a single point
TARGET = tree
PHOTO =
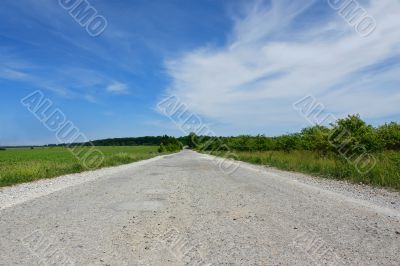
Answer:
(192, 140)
(315, 139)
(389, 135)
(352, 134)
(170, 144)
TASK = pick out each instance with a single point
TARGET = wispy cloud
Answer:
(67, 82)
(7, 73)
(269, 62)
(117, 88)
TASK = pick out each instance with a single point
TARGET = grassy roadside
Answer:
(386, 173)
(25, 165)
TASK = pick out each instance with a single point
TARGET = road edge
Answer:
(24, 192)
(380, 200)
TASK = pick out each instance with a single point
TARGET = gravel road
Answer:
(182, 210)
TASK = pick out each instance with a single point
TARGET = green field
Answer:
(24, 165)
(386, 172)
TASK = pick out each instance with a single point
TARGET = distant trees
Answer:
(315, 139)
(170, 144)
(347, 135)
(132, 141)
(192, 140)
(352, 133)
(389, 136)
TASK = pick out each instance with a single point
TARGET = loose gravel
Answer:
(182, 209)
(17, 194)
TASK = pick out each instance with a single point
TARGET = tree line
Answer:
(350, 134)
(130, 141)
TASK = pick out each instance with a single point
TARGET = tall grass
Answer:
(25, 165)
(386, 172)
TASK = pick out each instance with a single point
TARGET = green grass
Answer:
(25, 165)
(386, 172)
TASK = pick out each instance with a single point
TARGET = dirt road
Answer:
(182, 210)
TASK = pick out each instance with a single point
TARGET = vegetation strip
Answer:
(348, 150)
(27, 164)
(385, 173)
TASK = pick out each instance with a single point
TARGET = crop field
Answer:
(386, 172)
(21, 165)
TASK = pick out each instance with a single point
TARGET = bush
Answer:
(315, 139)
(170, 145)
(162, 148)
(353, 135)
(348, 136)
(192, 140)
(288, 143)
(389, 135)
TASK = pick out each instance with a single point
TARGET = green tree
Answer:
(389, 135)
(352, 134)
(315, 139)
(192, 140)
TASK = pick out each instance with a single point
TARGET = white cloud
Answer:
(269, 63)
(118, 88)
(7, 73)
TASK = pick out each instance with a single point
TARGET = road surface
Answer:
(182, 209)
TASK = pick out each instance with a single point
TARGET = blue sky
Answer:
(240, 65)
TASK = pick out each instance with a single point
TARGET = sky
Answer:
(239, 65)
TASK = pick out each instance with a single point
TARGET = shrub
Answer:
(288, 143)
(389, 135)
(315, 139)
(162, 148)
(192, 140)
(170, 145)
(348, 136)
(352, 134)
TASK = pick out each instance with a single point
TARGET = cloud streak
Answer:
(268, 63)
(117, 88)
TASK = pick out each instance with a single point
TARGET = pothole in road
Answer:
(138, 206)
